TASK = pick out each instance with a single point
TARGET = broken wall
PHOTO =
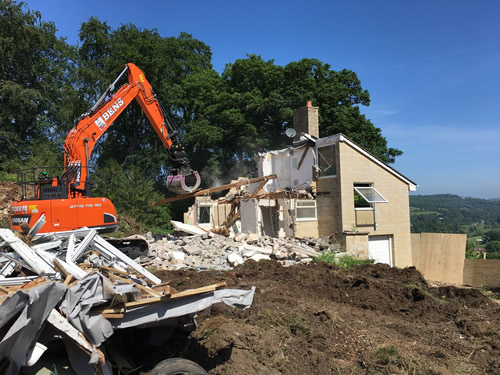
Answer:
(285, 164)
(439, 256)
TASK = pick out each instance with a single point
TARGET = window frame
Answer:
(298, 207)
(209, 206)
(318, 159)
(371, 203)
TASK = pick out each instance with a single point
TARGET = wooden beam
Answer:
(153, 300)
(214, 190)
(256, 192)
(303, 155)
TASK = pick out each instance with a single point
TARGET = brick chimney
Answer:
(305, 120)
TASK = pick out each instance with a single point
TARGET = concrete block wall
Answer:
(392, 218)
(482, 272)
(328, 207)
(439, 256)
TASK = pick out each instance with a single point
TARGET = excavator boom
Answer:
(93, 124)
(66, 200)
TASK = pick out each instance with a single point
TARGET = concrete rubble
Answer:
(192, 247)
(79, 288)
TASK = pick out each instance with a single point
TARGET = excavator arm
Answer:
(92, 125)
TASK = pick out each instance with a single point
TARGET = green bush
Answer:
(345, 261)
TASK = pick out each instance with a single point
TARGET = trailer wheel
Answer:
(177, 366)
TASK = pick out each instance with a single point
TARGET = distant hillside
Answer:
(447, 213)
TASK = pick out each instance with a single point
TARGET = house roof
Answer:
(342, 138)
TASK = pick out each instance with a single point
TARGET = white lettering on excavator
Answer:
(101, 121)
(87, 205)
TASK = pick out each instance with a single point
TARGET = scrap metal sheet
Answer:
(21, 316)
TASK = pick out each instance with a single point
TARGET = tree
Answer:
(132, 194)
(492, 235)
(248, 111)
(166, 63)
(35, 71)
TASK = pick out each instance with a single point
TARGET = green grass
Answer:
(346, 261)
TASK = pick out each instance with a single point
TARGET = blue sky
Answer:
(432, 67)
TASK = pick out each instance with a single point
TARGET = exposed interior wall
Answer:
(285, 164)
(249, 216)
(218, 212)
(392, 218)
(482, 272)
(439, 256)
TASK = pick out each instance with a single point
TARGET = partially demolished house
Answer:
(324, 187)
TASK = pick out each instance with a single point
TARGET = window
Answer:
(305, 210)
(326, 161)
(204, 216)
(365, 195)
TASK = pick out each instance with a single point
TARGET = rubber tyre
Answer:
(177, 366)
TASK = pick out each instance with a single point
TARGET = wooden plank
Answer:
(112, 316)
(119, 278)
(114, 270)
(303, 156)
(34, 283)
(256, 192)
(233, 219)
(60, 267)
(186, 293)
(148, 290)
(72, 284)
(37, 285)
(153, 300)
(213, 190)
(68, 279)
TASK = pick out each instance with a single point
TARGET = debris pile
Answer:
(85, 289)
(192, 247)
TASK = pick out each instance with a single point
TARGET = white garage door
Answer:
(380, 249)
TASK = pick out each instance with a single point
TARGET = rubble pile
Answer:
(192, 247)
(84, 288)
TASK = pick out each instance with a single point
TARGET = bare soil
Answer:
(9, 192)
(319, 319)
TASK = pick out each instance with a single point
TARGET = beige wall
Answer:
(357, 243)
(392, 218)
(306, 228)
(482, 272)
(439, 256)
(328, 209)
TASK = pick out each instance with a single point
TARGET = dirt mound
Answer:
(319, 319)
(9, 192)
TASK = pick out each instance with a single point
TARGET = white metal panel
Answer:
(380, 249)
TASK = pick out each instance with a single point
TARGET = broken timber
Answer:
(215, 189)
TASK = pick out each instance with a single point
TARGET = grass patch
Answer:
(346, 261)
(294, 323)
(390, 361)
(387, 354)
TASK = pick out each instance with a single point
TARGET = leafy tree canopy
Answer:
(35, 70)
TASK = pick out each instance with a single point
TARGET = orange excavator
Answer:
(67, 200)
